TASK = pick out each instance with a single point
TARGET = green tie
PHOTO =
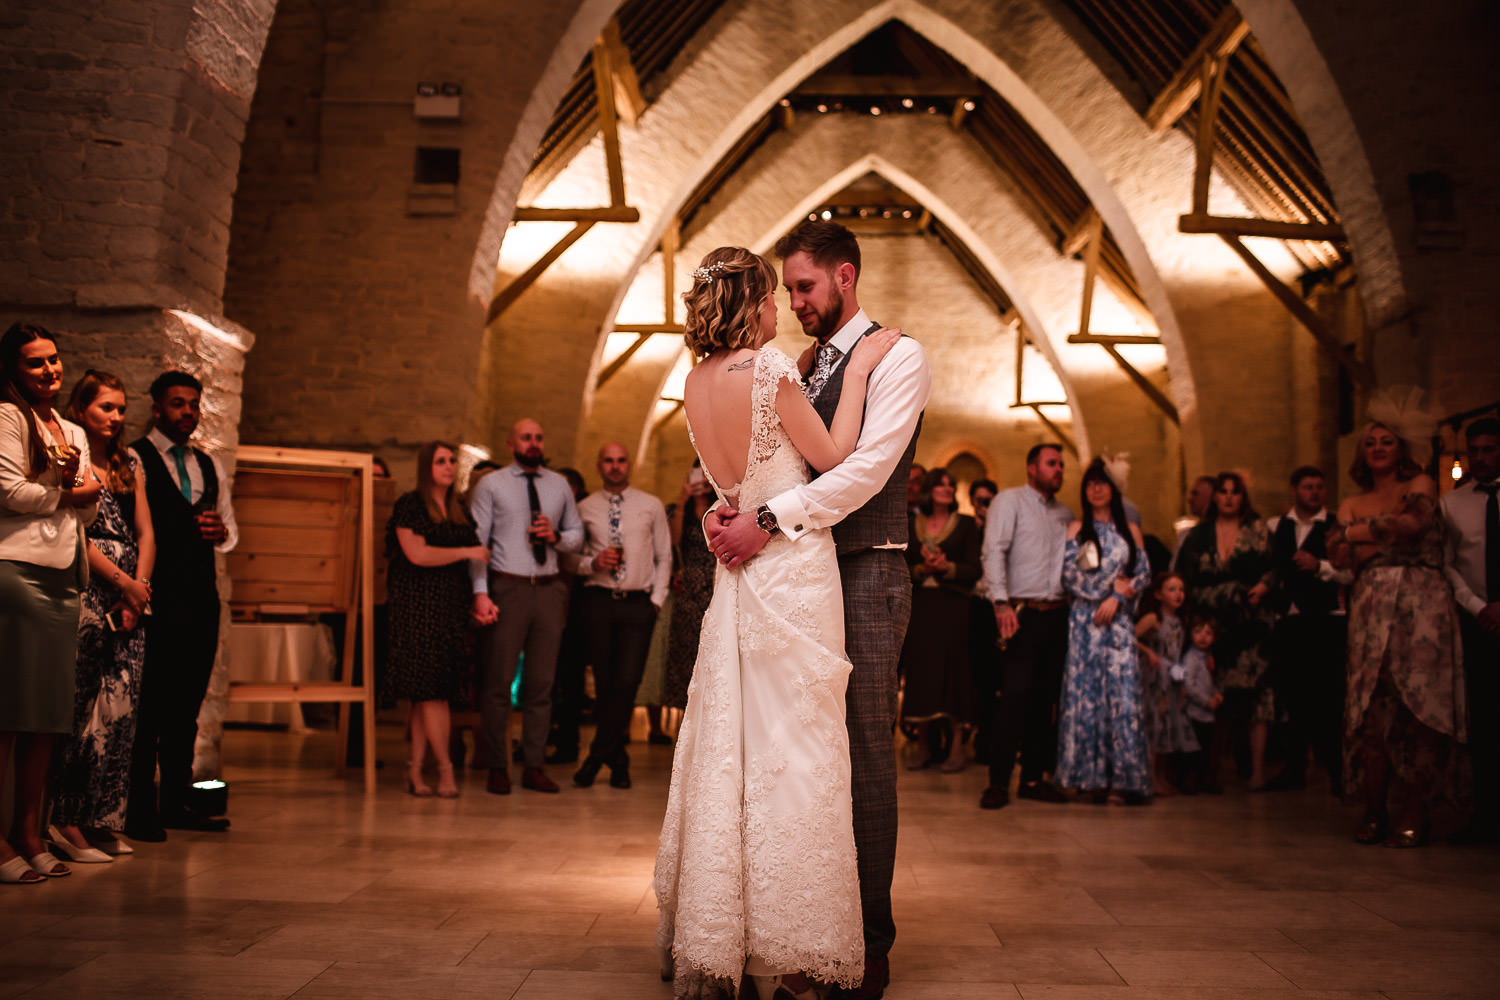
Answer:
(179, 452)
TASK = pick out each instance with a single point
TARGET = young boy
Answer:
(1203, 698)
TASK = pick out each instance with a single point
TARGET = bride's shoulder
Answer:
(775, 360)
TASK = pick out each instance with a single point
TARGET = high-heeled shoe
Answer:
(110, 845)
(447, 787)
(414, 783)
(1411, 836)
(1371, 828)
(69, 850)
(787, 986)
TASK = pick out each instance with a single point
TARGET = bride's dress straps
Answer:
(729, 496)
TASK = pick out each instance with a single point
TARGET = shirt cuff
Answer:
(1474, 605)
(791, 516)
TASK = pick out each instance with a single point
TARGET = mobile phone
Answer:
(115, 621)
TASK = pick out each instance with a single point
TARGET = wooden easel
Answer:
(307, 547)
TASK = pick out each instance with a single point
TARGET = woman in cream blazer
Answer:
(47, 497)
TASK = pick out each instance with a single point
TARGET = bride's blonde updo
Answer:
(723, 306)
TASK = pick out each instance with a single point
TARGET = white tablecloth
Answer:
(278, 651)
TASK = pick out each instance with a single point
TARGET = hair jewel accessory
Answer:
(1117, 468)
(708, 271)
(1400, 408)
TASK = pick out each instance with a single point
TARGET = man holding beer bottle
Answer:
(626, 570)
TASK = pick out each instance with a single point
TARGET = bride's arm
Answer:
(825, 447)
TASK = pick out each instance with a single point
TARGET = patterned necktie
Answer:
(616, 502)
(828, 356)
(1491, 540)
(179, 452)
(538, 547)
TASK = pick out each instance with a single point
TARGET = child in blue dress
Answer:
(1201, 699)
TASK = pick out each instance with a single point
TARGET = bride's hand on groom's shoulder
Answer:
(871, 350)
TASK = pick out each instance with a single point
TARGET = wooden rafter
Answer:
(1091, 238)
(1228, 31)
(1035, 406)
(625, 85)
(1303, 313)
(610, 61)
(670, 242)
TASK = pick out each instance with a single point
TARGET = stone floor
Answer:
(319, 892)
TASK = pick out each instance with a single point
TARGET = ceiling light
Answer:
(875, 110)
(822, 109)
(907, 102)
(827, 215)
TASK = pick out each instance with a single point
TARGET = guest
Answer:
(192, 518)
(1226, 563)
(944, 560)
(983, 655)
(1405, 715)
(1024, 538)
(93, 782)
(626, 570)
(1471, 516)
(569, 700)
(525, 515)
(1101, 743)
(429, 541)
(914, 487)
(694, 585)
(46, 499)
(1160, 637)
(1201, 699)
(1307, 646)
(1200, 498)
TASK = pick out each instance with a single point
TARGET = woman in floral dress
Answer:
(1405, 713)
(94, 778)
(1101, 736)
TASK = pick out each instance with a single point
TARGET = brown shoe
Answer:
(872, 987)
(498, 783)
(536, 779)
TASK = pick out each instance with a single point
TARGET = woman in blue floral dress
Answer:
(1101, 738)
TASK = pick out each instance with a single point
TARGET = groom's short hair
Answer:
(827, 243)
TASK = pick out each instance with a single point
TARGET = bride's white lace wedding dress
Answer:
(757, 847)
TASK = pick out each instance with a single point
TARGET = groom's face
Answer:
(816, 293)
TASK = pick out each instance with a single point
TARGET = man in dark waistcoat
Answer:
(1308, 645)
(192, 517)
(864, 501)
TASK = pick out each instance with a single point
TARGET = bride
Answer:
(755, 872)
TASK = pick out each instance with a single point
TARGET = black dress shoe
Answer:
(994, 797)
(147, 832)
(1041, 791)
(585, 775)
(872, 987)
(188, 819)
(619, 777)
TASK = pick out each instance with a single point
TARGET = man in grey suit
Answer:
(864, 501)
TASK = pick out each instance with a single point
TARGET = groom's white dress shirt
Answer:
(895, 395)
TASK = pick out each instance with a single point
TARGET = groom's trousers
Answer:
(877, 607)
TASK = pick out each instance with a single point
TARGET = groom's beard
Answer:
(827, 323)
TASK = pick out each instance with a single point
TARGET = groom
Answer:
(864, 500)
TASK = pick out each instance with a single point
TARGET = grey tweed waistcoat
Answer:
(883, 518)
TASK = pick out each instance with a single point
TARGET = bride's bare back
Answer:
(717, 398)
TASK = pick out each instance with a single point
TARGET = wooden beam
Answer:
(1079, 234)
(611, 369)
(671, 240)
(1223, 225)
(609, 125)
(615, 213)
(1139, 339)
(1212, 84)
(1304, 314)
(1093, 236)
(508, 295)
(1020, 361)
(627, 87)
(676, 408)
(961, 108)
(648, 328)
(888, 85)
(1146, 385)
(1067, 442)
(1186, 84)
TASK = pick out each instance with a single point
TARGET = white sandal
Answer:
(16, 870)
(46, 864)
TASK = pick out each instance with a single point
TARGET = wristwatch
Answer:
(766, 518)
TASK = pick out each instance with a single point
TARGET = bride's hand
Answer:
(871, 350)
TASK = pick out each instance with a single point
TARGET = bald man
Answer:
(625, 570)
(525, 514)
